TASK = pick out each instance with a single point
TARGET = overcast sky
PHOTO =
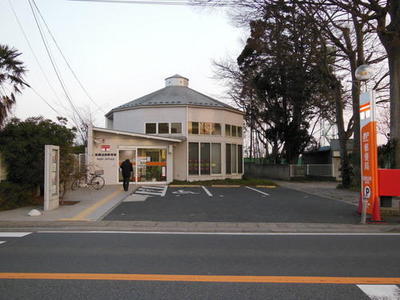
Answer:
(119, 51)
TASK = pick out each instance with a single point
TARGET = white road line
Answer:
(261, 192)
(148, 193)
(14, 234)
(2, 242)
(164, 191)
(227, 233)
(387, 292)
(152, 187)
(207, 191)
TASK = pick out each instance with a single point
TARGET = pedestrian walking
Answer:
(127, 170)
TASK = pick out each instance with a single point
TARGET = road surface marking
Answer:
(148, 193)
(204, 278)
(207, 191)
(258, 191)
(164, 191)
(14, 234)
(2, 242)
(387, 292)
(82, 216)
(225, 233)
(184, 185)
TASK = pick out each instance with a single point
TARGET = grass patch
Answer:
(246, 181)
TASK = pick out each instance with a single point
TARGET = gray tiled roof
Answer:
(174, 95)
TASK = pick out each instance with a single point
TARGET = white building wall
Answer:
(110, 164)
(134, 120)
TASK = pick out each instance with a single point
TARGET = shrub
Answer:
(14, 195)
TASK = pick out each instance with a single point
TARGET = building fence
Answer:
(288, 172)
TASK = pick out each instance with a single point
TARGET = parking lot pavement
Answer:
(241, 204)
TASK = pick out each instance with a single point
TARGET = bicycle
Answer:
(94, 180)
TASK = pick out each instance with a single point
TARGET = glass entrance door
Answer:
(151, 165)
(131, 155)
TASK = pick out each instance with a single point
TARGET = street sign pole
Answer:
(369, 158)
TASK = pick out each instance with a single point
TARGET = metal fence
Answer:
(317, 170)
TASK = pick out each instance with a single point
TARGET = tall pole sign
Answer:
(369, 157)
(369, 151)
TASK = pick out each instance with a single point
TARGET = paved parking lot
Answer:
(233, 204)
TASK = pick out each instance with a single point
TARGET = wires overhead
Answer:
(65, 59)
(166, 2)
(31, 48)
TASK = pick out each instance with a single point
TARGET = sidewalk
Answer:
(92, 206)
(324, 189)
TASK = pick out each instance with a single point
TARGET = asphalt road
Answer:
(303, 256)
(236, 205)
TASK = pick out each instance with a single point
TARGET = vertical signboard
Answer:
(369, 156)
(51, 177)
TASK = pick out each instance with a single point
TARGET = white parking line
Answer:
(2, 242)
(258, 191)
(164, 191)
(387, 292)
(14, 234)
(148, 193)
(207, 191)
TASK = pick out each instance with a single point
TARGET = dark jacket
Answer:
(126, 168)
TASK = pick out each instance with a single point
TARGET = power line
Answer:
(45, 101)
(31, 48)
(173, 3)
(65, 59)
(53, 64)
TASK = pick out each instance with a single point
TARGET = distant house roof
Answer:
(175, 93)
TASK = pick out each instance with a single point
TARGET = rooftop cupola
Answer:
(176, 80)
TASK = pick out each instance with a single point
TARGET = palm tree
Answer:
(11, 79)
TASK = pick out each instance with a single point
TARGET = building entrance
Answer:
(149, 164)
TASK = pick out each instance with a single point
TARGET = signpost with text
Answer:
(369, 158)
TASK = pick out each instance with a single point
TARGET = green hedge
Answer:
(14, 195)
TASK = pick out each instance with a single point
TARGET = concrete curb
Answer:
(206, 227)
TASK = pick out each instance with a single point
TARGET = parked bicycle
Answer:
(93, 180)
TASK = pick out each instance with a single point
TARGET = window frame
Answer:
(180, 125)
(230, 130)
(158, 128)
(145, 127)
(190, 127)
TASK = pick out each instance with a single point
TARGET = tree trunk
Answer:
(394, 69)
(345, 168)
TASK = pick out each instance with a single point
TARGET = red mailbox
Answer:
(389, 182)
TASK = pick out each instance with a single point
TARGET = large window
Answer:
(227, 130)
(151, 128)
(216, 129)
(233, 159)
(205, 128)
(163, 128)
(176, 127)
(216, 158)
(193, 163)
(193, 128)
(240, 131)
(228, 158)
(205, 159)
(210, 158)
(234, 132)
(240, 159)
